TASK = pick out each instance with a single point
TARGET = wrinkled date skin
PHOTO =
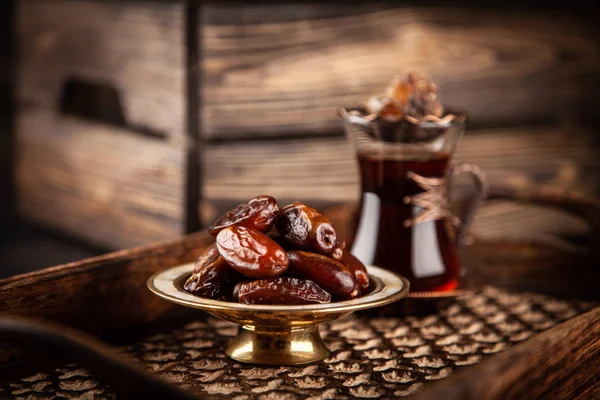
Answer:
(214, 281)
(326, 272)
(306, 228)
(357, 268)
(259, 214)
(282, 291)
(206, 258)
(251, 253)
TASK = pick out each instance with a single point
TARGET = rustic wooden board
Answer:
(115, 177)
(274, 69)
(325, 169)
(258, 63)
(99, 183)
(135, 48)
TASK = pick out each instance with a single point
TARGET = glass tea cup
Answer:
(404, 223)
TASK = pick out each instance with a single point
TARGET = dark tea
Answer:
(403, 224)
(404, 139)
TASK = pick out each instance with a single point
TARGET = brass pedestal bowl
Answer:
(278, 335)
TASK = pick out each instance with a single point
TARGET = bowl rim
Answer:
(165, 284)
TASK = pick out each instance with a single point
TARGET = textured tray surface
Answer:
(372, 356)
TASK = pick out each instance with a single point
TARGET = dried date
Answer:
(214, 281)
(357, 268)
(209, 255)
(326, 272)
(338, 251)
(307, 229)
(251, 253)
(280, 291)
(259, 214)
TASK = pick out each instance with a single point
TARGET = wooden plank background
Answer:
(137, 48)
(326, 168)
(106, 185)
(279, 72)
(323, 171)
(109, 185)
(272, 78)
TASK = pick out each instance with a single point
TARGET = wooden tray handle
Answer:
(585, 207)
(55, 342)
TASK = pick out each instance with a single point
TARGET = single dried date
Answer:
(307, 229)
(209, 255)
(214, 281)
(259, 214)
(280, 291)
(357, 268)
(326, 272)
(251, 253)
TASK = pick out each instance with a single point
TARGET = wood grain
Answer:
(136, 48)
(325, 169)
(275, 70)
(101, 293)
(115, 186)
(285, 68)
(561, 363)
(99, 183)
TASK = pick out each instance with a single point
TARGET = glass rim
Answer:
(452, 118)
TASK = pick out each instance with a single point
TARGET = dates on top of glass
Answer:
(264, 255)
(411, 96)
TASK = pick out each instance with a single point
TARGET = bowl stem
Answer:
(278, 347)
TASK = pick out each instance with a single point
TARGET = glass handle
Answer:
(482, 188)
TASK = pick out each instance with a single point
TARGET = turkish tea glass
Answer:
(404, 223)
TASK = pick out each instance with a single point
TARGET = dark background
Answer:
(6, 94)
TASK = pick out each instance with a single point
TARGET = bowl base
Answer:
(274, 347)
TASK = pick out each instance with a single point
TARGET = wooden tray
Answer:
(374, 355)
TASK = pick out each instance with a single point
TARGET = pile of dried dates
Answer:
(267, 255)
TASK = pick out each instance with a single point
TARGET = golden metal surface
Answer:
(277, 335)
